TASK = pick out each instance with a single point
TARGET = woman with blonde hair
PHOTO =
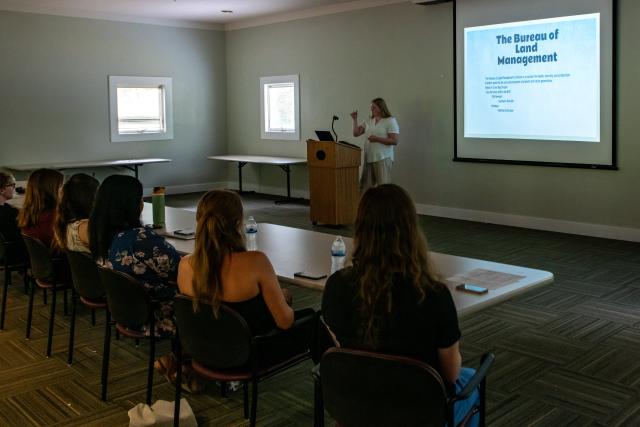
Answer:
(390, 299)
(38, 211)
(222, 271)
(382, 132)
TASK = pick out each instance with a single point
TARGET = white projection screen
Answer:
(534, 82)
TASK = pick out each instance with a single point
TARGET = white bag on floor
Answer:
(160, 414)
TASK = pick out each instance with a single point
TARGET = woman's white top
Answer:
(375, 151)
(73, 237)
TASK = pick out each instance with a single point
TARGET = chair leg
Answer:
(25, 280)
(223, 389)
(30, 309)
(152, 355)
(93, 317)
(65, 303)
(318, 404)
(5, 289)
(52, 317)
(176, 411)
(483, 401)
(245, 391)
(72, 327)
(254, 402)
(105, 355)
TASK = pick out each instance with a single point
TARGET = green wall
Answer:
(54, 102)
(403, 52)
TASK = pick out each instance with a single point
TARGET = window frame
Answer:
(287, 136)
(116, 82)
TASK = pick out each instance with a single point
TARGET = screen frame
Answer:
(614, 112)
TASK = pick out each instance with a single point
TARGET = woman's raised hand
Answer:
(354, 115)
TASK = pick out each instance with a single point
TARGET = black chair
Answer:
(132, 310)
(362, 388)
(50, 273)
(223, 349)
(9, 265)
(87, 287)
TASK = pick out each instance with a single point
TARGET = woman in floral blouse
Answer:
(119, 241)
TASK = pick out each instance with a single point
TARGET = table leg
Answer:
(133, 168)
(288, 199)
(240, 166)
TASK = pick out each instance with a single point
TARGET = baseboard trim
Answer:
(231, 185)
(536, 223)
(188, 188)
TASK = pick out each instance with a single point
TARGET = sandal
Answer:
(190, 381)
(166, 366)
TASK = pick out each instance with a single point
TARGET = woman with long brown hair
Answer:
(38, 211)
(71, 228)
(222, 271)
(390, 299)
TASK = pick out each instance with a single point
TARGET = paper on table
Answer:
(487, 278)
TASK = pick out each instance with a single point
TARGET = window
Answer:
(280, 107)
(140, 108)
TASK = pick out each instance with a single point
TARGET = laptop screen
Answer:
(324, 135)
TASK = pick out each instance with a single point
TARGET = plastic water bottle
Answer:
(338, 254)
(251, 231)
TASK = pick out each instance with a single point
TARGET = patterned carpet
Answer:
(566, 354)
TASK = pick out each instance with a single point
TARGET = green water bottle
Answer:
(157, 202)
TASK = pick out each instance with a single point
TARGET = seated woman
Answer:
(119, 241)
(390, 300)
(222, 271)
(37, 214)
(71, 228)
(9, 220)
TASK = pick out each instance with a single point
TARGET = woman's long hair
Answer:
(41, 196)
(76, 200)
(387, 243)
(382, 105)
(116, 208)
(218, 234)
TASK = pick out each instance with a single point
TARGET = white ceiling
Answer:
(191, 13)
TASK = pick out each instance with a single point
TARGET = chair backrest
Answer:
(127, 299)
(12, 251)
(3, 247)
(362, 388)
(42, 267)
(84, 273)
(217, 342)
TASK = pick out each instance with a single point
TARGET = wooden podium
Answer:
(333, 181)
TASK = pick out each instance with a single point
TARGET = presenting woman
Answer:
(382, 133)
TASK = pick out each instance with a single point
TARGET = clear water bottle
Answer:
(251, 232)
(338, 254)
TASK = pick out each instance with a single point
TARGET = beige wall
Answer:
(54, 102)
(403, 53)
